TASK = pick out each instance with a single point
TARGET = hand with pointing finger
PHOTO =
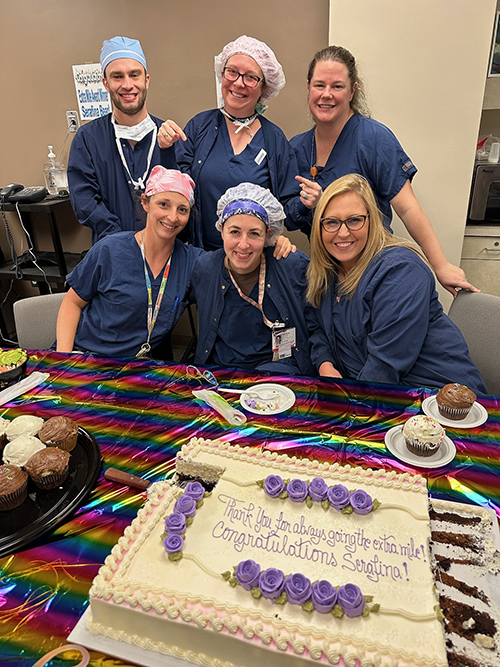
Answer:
(169, 133)
(310, 192)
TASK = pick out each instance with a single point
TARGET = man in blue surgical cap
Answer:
(111, 157)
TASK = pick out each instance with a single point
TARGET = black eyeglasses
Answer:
(250, 80)
(353, 224)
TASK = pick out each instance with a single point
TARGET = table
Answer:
(56, 265)
(141, 413)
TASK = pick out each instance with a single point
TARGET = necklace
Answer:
(240, 123)
(314, 169)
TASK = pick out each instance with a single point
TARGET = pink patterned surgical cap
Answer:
(170, 180)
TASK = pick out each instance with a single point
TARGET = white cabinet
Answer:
(481, 257)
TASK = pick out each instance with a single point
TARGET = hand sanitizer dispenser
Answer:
(56, 178)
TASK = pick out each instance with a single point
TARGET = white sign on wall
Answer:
(93, 98)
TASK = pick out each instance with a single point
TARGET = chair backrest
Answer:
(477, 315)
(35, 318)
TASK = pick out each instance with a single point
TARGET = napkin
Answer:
(29, 382)
(217, 402)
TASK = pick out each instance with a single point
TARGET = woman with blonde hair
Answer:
(380, 319)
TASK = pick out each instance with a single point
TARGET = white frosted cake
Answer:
(282, 581)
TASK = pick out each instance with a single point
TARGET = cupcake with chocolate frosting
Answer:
(48, 468)
(455, 401)
(59, 432)
(423, 435)
(13, 486)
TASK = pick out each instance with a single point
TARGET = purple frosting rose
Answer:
(274, 486)
(185, 505)
(248, 573)
(361, 502)
(318, 489)
(175, 523)
(324, 596)
(351, 600)
(338, 496)
(297, 490)
(195, 490)
(298, 588)
(173, 543)
(271, 583)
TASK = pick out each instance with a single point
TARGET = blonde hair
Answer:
(323, 267)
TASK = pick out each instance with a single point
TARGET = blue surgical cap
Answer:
(121, 47)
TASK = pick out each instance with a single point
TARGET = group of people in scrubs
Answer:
(364, 304)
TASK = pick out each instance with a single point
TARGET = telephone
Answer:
(15, 192)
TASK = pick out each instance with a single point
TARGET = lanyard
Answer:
(140, 183)
(152, 315)
(240, 123)
(262, 278)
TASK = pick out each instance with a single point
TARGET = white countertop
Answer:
(482, 230)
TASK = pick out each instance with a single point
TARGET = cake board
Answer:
(116, 649)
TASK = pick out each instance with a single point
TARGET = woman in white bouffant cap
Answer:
(235, 143)
(251, 307)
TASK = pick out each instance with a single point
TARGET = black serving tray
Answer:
(42, 511)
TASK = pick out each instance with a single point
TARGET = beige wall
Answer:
(425, 66)
(40, 41)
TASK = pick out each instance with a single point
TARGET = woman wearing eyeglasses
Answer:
(346, 140)
(379, 313)
(235, 143)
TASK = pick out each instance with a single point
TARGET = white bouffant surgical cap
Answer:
(251, 199)
(263, 56)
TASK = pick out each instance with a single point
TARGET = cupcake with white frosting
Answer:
(22, 448)
(423, 435)
(3, 435)
(23, 425)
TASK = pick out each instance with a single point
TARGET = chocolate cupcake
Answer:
(455, 401)
(19, 450)
(423, 435)
(59, 432)
(13, 486)
(23, 425)
(48, 468)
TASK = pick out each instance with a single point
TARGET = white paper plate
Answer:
(275, 398)
(396, 444)
(476, 416)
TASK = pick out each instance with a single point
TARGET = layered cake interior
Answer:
(464, 548)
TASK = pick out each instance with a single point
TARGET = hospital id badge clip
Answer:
(283, 341)
(144, 351)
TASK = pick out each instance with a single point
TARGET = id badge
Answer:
(283, 342)
(144, 352)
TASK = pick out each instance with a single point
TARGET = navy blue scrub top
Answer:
(222, 170)
(243, 340)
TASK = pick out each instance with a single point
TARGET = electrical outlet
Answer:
(73, 121)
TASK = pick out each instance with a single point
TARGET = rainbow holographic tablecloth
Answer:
(141, 413)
